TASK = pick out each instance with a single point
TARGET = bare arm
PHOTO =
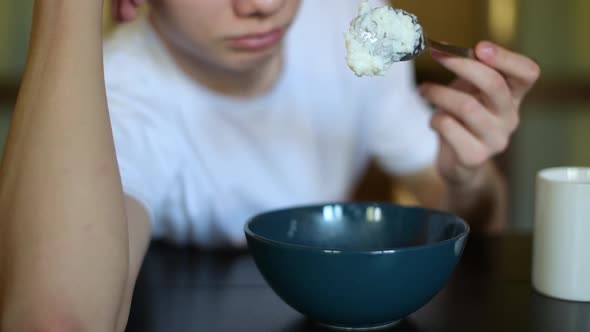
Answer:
(64, 233)
(475, 118)
(483, 204)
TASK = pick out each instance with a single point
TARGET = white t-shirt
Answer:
(202, 163)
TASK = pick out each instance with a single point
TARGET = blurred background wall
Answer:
(555, 127)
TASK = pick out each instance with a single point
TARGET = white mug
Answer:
(561, 236)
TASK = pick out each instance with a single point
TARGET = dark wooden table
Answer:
(190, 290)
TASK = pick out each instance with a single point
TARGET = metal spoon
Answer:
(455, 50)
(422, 44)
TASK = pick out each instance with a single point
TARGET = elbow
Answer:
(50, 324)
(57, 326)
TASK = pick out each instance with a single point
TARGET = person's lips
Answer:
(257, 41)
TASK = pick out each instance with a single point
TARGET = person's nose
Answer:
(258, 7)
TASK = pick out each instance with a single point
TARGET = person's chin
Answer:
(249, 60)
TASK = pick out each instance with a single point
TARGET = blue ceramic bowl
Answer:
(356, 265)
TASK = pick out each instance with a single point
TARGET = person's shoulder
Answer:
(132, 53)
(135, 61)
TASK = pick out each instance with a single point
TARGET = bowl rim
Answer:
(276, 243)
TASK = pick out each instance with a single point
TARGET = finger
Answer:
(127, 10)
(470, 152)
(492, 85)
(463, 85)
(115, 5)
(520, 71)
(470, 112)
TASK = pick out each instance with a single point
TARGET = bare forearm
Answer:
(63, 226)
(483, 204)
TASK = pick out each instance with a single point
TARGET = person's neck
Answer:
(251, 83)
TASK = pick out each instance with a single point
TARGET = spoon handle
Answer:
(451, 49)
